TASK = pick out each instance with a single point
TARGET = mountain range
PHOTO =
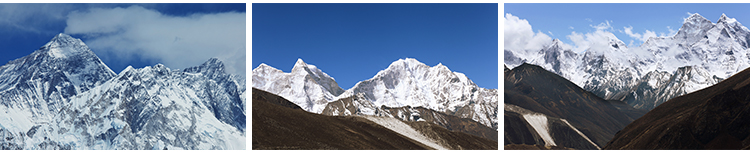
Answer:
(405, 83)
(710, 118)
(62, 96)
(700, 54)
(542, 108)
(279, 123)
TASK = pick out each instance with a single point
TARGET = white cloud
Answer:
(550, 33)
(672, 32)
(602, 26)
(596, 41)
(640, 37)
(519, 35)
(177, 42)
(589, 19)
(571, 27)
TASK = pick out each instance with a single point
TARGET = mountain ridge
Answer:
(62, 96)
(714, 51)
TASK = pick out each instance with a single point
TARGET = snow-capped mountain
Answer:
(154, 107)
(406, 82)
(410, 82)
(35, 87)
(306, 86)
(641, 75)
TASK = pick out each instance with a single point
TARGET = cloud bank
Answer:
(519, 36)
(175, 41)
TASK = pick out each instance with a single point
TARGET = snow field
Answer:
(539, 123)
(404, 129)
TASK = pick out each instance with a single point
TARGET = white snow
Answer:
(579, 133)
(721, 53)
(404, 129)
(540, 124)
(15, 120)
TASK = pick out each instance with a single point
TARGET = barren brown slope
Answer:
(279, 127)
(717, 117)
(450, 122)
(453, 139)
(408, 113)
(534, 88)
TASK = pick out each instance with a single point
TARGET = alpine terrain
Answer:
(407, 90)
(699, 55)
(63, 97)
(710, 118)
(280, 124)
(542, 108)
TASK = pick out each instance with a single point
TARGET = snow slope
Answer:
(152, 108)
(406, 130)
(63, 97)
(306, 86)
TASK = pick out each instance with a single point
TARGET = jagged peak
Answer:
(299, 62)
(439, 65)
(725, 19)
(556, 41)
(212, 66)
(407, 62)
(127, 69)
(696, 17)
(61, 40)
(263, 66)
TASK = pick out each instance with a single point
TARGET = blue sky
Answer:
(352, 42)
(176, 35)
(642, 20)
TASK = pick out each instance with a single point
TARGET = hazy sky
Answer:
(176, 35)
(352, 42)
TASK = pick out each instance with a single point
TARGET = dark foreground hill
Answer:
(280, 124)
(716, 117)
(544, 108)
(349, 106)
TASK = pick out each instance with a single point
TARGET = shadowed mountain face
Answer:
(281, 124)
(357, 105)
(449, 122)
(712, 118)
(453, 139)
(572, 117)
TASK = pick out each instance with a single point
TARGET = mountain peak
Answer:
(62, 40)
(407, 62)
(300, 62)
(299, 65)
(696, 19)
(696, 16)
(725, 19)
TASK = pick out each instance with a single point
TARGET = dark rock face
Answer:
(518, 131)
(537, 90)
(277, 126)
(281, 124)
(711, 118)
